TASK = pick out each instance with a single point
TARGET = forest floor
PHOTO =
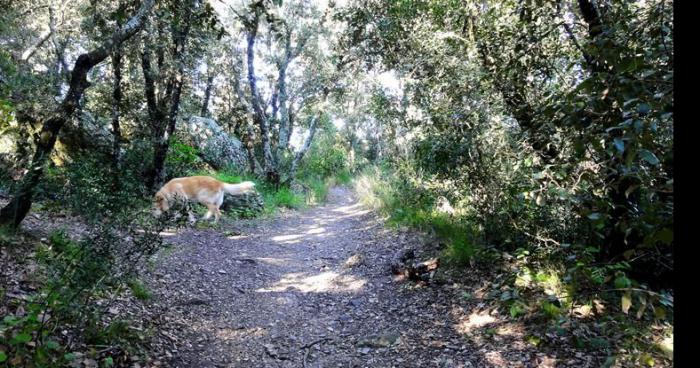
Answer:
(314, 288)
(307, 288)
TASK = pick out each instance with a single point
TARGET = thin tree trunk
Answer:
(156, 113)
(116, 105)
(250, 145)
(273, 123)
(173, 92)
(290, 127)
(284, 111)
(249, 124)
(305, 147)
(15, 211)
(207, 96)
(259, 117)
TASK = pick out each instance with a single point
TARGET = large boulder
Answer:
(217, 148)
(14, 153)
(83, 134)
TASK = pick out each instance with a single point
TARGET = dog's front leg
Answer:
(190, 215)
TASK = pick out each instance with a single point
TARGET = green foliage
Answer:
(326, 158)
(284, 197)
(319, 190)
(182, 159)
(139, 289)
(344, 177)
(227, 176)
(398, 195)
(556, 147)
(90, 189)
(79, 274)
(7, 235)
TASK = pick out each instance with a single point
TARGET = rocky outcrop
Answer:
(217, 148)
(243, 205)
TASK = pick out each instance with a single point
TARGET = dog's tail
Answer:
(244, 187)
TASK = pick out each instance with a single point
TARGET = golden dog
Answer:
(203, 189)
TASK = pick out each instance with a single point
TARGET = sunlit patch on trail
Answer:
(324, 282)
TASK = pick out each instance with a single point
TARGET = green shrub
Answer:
(139, 289)
(80, 276)
(397, 195)
(284, 197)
(182, 159)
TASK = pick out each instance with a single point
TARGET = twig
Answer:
(308, 350)
(306, 356)
(634, 289)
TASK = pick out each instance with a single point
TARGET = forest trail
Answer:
(313, 288)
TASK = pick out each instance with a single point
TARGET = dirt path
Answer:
(312, 289)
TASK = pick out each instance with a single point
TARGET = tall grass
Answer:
(399, 197)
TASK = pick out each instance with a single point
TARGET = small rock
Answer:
(353, 261)
(380, 341)
(407, 255)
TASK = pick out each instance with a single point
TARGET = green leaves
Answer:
(52, 345)
(619, 144)
(11, 320)
(643, 108)
(630, 64)
(517, 309)
(21, 338)
(649, 157)
(622, 282)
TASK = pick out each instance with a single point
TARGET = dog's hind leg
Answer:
(212, 211)
(217, 214)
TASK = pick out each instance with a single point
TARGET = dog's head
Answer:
(160, 204)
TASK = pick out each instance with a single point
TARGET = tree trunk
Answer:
(282, 87)
(282, 143)
(116, 105)
(305, 147)
(271, 172)
(15, 211)
(290, 127)
(207, 96)
(156, 114)
(285, 126)
(250, 147)
(170, 102)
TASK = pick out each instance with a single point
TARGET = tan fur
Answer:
(203, 189)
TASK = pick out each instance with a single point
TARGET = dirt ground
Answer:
(314, 288)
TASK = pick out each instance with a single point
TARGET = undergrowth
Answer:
(598, 307)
